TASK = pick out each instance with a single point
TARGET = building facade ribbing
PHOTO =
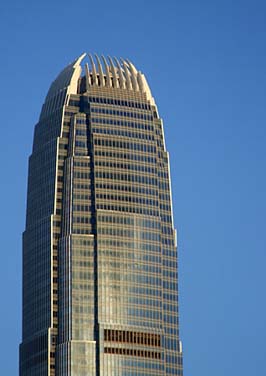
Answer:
(100, 294)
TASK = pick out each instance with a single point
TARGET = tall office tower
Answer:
(100, 292)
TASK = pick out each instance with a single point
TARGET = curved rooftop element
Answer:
(118, 73)
(107, 72)
(114, 79)
(68, 78)
(101, 72)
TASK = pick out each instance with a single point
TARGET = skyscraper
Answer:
(100, 293)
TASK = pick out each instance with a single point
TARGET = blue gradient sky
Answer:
(205, 62)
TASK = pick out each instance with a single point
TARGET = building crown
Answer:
(101, 72)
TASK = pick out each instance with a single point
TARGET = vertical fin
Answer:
(115, 83)
(94, 73)
(108, 79)
(133, 72)
(128, 80)
(87, 73)
(120, 73)
(100, 70)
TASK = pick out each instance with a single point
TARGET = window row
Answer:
(81, 163)
(81, 121)
(78, 196)
(129, 209)
(69, 113)
(149, 339)
(82, 175)
(82, 231)
(132, 352)
(84, 242)
(147, 258)
(170, 262)
(170, 307)
(141, 235)
(120, 243)
(169, 252)
(134, 157)
(126, 166)
(141, 179)
(85, 208)
(124, 133)
(125, 145)
(83, 252)
(119, 102)
(81, 144)
(110, 111)
(130, 199)
(139, 222)
(127, 188)
(163, 175)
(170, 285)
(167, 241)
(83, 275)
(82, 219)
(81, 132)
(82, 186)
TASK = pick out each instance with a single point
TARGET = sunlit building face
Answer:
(100, 294)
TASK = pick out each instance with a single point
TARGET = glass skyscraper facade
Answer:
(100, 293)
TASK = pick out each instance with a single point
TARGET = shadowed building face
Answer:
(100, 292)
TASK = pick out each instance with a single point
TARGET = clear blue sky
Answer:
(206, 64)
